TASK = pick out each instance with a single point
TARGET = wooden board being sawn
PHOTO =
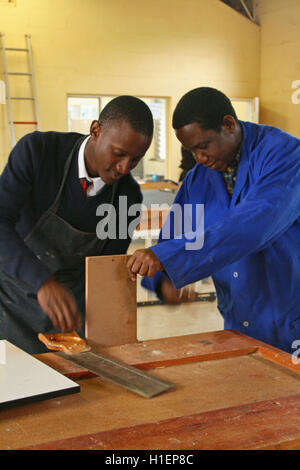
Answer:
(111, 308)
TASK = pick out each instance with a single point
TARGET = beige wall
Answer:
(158, 48)
(280, 64)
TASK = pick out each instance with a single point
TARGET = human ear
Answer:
(229, 123)
(95, 129)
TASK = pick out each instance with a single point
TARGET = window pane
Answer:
(155, 160)
(81, 112)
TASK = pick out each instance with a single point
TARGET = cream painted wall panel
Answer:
(159, 48)
(280, 63)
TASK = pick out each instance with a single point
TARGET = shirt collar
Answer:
(98, 183)
(236, 160)
(82, 172)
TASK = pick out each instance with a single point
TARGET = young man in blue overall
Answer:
(248, 178)
(50, 190)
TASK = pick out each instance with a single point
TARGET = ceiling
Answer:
(248, 8)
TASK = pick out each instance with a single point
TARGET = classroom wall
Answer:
(158, 48)
(280, 64)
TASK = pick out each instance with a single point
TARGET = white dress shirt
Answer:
(98, 183)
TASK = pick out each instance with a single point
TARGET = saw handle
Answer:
(69, 343)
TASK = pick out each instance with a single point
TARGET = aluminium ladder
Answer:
(9, 98)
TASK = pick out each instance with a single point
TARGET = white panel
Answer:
(2, 352)
(25, 379)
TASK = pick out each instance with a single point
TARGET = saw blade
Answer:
(120, 373)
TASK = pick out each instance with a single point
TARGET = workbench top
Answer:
(231, 392)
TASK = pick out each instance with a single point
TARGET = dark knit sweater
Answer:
(28, 186)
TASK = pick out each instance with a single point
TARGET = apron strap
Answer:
(55, 205)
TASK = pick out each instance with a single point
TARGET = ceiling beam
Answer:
(247, 10)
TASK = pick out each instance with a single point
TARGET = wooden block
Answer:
(111, 309)
(183, 349)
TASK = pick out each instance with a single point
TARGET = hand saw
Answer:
(73, 348)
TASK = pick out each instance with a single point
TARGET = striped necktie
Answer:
(85, 183)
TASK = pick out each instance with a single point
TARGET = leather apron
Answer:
(60, 247)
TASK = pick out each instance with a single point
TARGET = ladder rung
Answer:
(25, 122)
(16, 49)
(20, 98)
(19, 73)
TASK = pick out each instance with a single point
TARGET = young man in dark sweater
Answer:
(50, 191)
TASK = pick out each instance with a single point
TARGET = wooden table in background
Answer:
(232, 392)
(160, 185)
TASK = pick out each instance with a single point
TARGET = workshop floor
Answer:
(161, 321)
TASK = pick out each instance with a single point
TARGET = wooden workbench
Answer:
(160, 185)
(232, 392)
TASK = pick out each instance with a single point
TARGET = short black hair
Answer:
(130, 109)
(205, 106)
